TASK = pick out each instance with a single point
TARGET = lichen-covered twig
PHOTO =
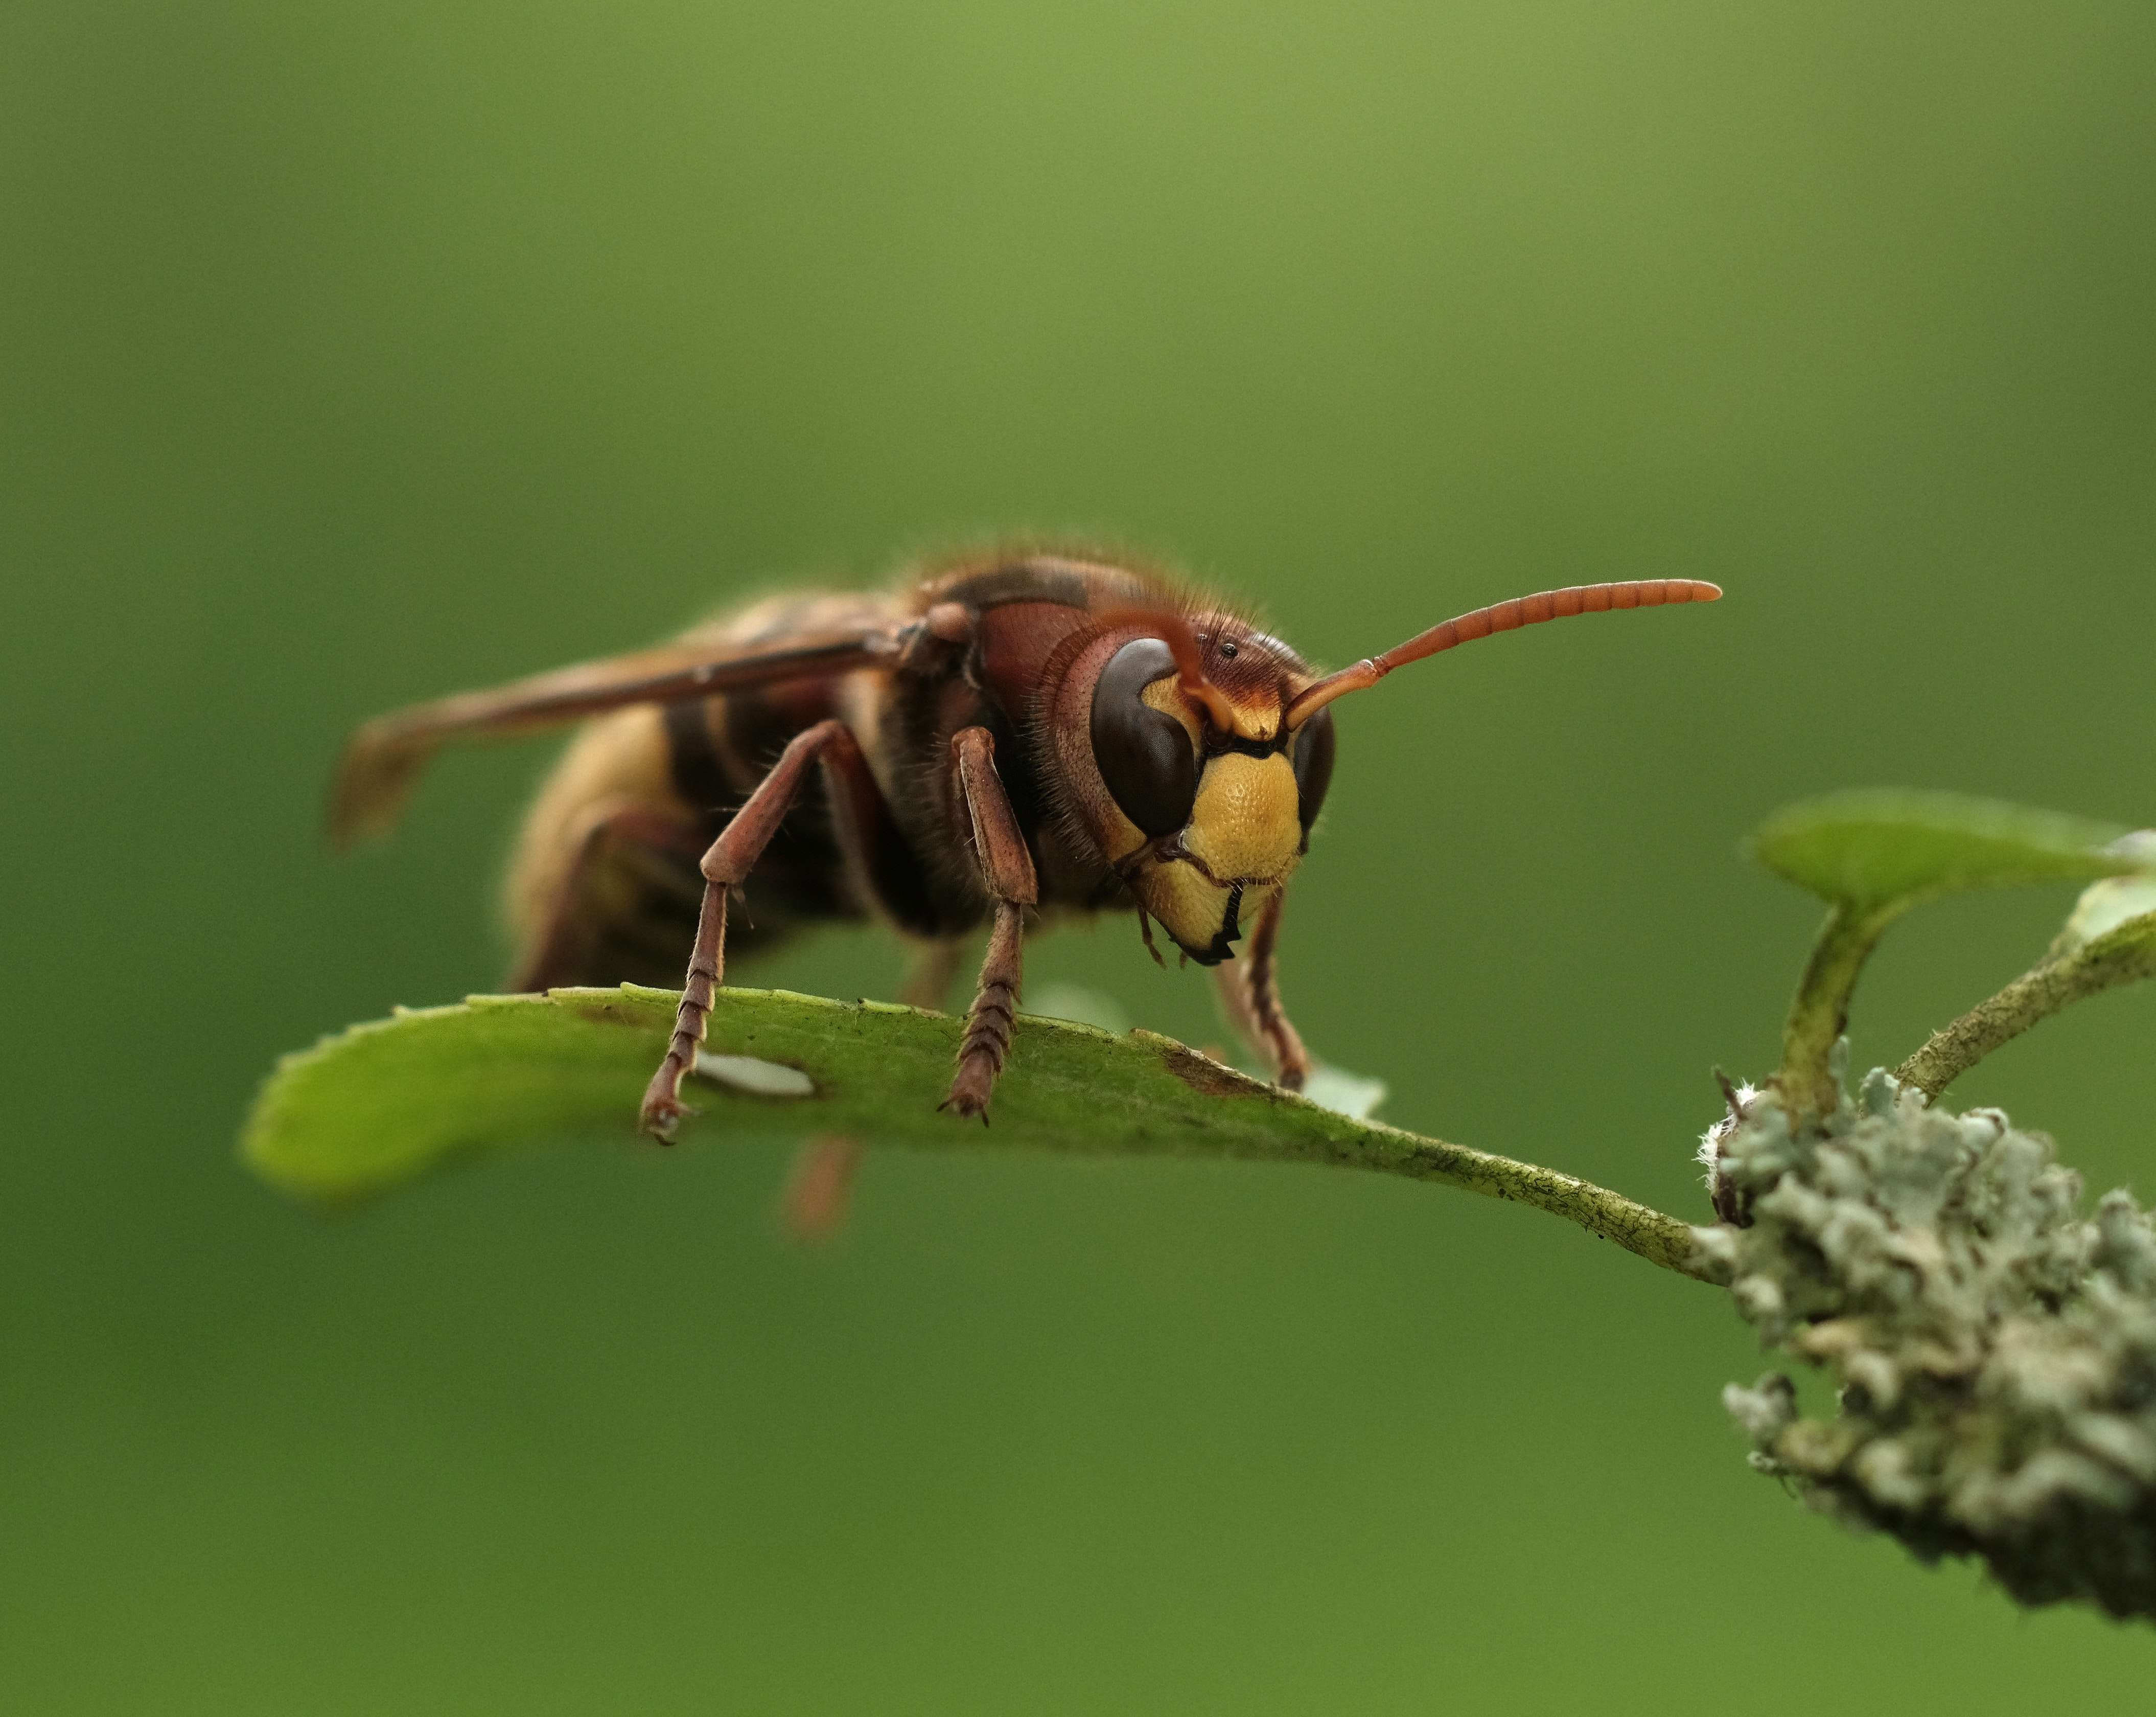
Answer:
(2123, 956)
(1994, 1350)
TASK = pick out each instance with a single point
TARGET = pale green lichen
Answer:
(1995, 1350)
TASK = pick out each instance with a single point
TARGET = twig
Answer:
(2120, 958)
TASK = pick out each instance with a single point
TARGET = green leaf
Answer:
(378, 1104)
(1872, 856)
(1874, 849)
(2109, 905)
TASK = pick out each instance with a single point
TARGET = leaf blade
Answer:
(1873, 855)
(380, 1102)
(1877, 850)
(372, 1107)
(2106, 906)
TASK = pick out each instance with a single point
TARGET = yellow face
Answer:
(1244, 840)
(1200, 795)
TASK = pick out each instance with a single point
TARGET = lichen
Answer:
(1995, 1348)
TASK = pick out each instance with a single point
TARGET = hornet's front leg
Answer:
(725, 866)
(1007, 874)
(1250, 991)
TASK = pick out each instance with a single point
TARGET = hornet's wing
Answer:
(385, 754)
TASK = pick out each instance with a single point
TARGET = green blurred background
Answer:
(354, 354)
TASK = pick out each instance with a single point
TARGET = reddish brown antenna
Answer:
(1498, 617)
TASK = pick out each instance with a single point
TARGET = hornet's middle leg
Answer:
(1007, 873)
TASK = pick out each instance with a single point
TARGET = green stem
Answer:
(1641, 1229)
(1820, 1014)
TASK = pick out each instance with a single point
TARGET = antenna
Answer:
(1498, 617)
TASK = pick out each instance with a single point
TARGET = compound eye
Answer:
(1144, 754)
(1313, 767)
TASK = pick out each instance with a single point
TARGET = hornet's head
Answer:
(1173, 730)
(1197, 750)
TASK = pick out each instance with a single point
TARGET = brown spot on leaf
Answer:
(1205, 1076)
(608, 1011)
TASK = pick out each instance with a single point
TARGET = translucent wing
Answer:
(385, 754)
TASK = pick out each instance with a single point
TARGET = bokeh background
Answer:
(355, 353)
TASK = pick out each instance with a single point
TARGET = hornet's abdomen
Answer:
(603, 888)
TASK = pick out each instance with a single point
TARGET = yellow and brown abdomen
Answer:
(603, 885)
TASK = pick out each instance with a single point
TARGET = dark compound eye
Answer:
(1313, 766)
(1145, 754)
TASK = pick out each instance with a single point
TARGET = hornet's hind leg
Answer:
(724, 867)
(620, 834)
(819, 1187)
(927, 984)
